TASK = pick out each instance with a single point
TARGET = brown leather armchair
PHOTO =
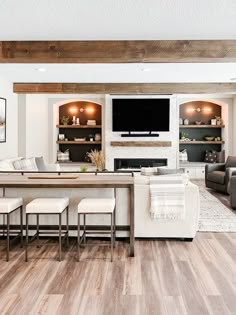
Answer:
(217, 176)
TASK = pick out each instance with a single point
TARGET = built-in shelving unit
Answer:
(79, 126)
(84, 111)
(202, 126)
(79, 142)
(201, 142)
(195, 134)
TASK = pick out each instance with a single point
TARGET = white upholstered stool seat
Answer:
(96, 206)
(48, 206)
(7, 206)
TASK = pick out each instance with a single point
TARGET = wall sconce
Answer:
(73, 110)
(89, 110)
(191, 110)
(199, 110)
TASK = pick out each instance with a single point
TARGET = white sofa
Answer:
(146, 227)
(33, 164)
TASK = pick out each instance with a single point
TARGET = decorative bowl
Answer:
(209, 138)
(198, 122)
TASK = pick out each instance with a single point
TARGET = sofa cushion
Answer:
(41, 165)
(231, 161)
(7, 164)
(216, 177)
(166, 171)
(26, 165)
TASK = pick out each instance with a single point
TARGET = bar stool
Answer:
(47, 206)
(96, 206)
(7, 207)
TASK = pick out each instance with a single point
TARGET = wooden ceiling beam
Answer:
(124, 88)
(121, 51)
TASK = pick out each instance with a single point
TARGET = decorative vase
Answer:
(186, 121)
(180, 121)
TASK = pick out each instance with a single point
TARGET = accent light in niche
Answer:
(73, 110)
(191, 109)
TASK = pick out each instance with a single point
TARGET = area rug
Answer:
(214, 215)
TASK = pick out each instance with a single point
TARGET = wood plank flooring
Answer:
(165, 277)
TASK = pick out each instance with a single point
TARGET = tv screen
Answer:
(141, 114)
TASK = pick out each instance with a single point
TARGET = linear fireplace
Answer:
(136, 164)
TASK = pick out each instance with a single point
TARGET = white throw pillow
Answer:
(7, 164)
(26, 164)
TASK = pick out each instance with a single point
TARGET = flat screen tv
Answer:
(139, 114)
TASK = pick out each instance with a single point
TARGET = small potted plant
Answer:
(65, 120)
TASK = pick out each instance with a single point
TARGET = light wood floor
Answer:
(165, 277)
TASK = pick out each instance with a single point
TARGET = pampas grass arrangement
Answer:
(97, 158)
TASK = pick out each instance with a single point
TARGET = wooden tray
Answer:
(53, 177)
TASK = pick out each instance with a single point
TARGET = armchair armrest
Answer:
(214, 167)
(228, 173)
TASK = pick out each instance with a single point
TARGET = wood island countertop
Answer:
(70, 181)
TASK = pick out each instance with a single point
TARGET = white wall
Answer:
(37, 136)
(10, 147)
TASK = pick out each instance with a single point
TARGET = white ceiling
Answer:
(117, 19)
(221, 72)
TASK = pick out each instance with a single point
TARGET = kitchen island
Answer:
(75, 186)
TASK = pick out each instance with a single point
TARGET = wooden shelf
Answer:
(79, 142)
(201, 126)
(141, 143)
(201, 142)
(79, 126)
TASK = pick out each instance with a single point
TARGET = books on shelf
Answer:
(91, 122)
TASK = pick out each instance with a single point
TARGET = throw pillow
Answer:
(183, 156)
(40, 163)
(7, 164)
(26, 164)
(210, 157)
(63, 156)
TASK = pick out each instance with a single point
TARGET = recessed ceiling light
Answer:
(145, 69)
(40, 69)
(233, 79)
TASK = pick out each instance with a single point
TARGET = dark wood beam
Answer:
(128, 51)
(124, 88)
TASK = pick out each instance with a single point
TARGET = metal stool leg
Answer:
(8, 235)
(3, 226)
(78, 239)
(21, 226)
(114, 227)
(60, 237)
(26, 240)
(67, 226)
(84, 228)
(37, 215)
(111, 237)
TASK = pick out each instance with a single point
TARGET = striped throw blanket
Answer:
(167, 197)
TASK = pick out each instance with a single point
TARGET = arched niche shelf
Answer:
(201, 112)
(78, 136)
